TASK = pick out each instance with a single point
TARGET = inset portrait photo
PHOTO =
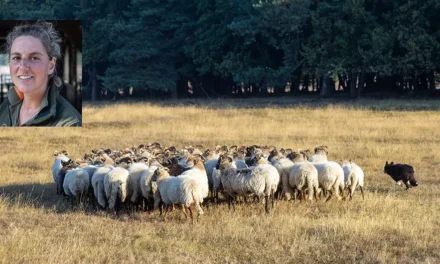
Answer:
(40, 73)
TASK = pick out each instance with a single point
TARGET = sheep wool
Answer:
(115, 186)
(76, 182)
(353, 177)
(98, 184)
(134, 188)
(330, 177)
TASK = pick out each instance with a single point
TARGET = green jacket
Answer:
(54, 111)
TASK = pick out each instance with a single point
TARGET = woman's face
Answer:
(30, 65)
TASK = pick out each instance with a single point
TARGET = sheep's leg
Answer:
(273, 199)
(330, 194)
(266, 199)
(160, 208)
(340, 191)
(362, 192)
(77, 200)
(315, 193)
(191, 212)
(351, 192)
(184, 211)
(165, 213)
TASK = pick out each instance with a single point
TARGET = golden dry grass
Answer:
(390, 226)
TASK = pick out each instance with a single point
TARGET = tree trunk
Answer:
(423, 82)
(353, 79)
(94, 87)
(342, 83)
(306, 83)
(327, 87)
(415, 82)
(173, 91)
(361, 85)
(431, 80)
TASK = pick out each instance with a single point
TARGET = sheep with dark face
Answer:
(57, 166)
(401, 172)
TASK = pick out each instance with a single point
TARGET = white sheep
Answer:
(320, 155)
(148, 188)
(214, 178)
(76, 183)
(98, 185)
(115, 187)
(134, 188)
(353, 177)
(274, 175)
(303, 175)
(255, 180)
(330, 178)
(198, 173)
(57, 166)
(173, 190)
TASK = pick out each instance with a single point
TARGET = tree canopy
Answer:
(359, 46)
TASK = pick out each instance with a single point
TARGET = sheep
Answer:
(254, 180)
(214, 175)
(76, 183)
(98, 185)
(59, 157)
(283, 165)
(302, 175)
(148, 188)
(331, 178)
(115, 187)
(198, 173)
(274, 176)
(353, 177)
(171, 190)
(320, 155)
(67, 166)
(401, 172)
(133, 187)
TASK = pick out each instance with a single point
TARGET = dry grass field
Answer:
(390, 226)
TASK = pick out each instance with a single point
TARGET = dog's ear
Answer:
(386, 163)
(392, 163)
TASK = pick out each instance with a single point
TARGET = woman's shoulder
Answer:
(4, 113)
(66, 114)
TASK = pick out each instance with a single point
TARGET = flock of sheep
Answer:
(152, 176)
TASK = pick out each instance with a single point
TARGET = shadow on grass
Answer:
(385, 104)
(44, 196)
(39, 196)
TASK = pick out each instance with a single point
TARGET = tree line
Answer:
(212, 48)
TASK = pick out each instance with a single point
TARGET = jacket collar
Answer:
(47, 108)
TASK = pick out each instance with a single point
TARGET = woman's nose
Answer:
(24, 63)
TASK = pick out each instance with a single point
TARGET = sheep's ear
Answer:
(350, 161)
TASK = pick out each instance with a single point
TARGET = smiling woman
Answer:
(33, 51)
